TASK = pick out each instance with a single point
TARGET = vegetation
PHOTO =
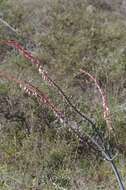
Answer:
(36, 151)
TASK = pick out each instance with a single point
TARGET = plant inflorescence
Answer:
(43, 98)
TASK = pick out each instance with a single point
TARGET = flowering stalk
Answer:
(34, 60)
(35, 92)
(106, 114)
(106, 110)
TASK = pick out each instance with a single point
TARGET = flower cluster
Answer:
(34, 60)
(31, 90)
(106, 110)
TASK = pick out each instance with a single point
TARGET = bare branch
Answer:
(8, 25)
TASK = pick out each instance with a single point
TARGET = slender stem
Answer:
(115, 170)
(8, 25)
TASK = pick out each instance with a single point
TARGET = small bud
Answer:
(20, 85)
(61, 120)
(24, 88)
(35, 94)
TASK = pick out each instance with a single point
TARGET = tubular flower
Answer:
(106, 110)
(34, 60)
(31, 90)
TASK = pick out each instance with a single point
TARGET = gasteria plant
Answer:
(34, 91)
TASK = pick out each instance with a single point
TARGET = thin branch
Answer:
(8, 25)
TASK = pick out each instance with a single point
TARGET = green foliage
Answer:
(3, 88)
(2, 2)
